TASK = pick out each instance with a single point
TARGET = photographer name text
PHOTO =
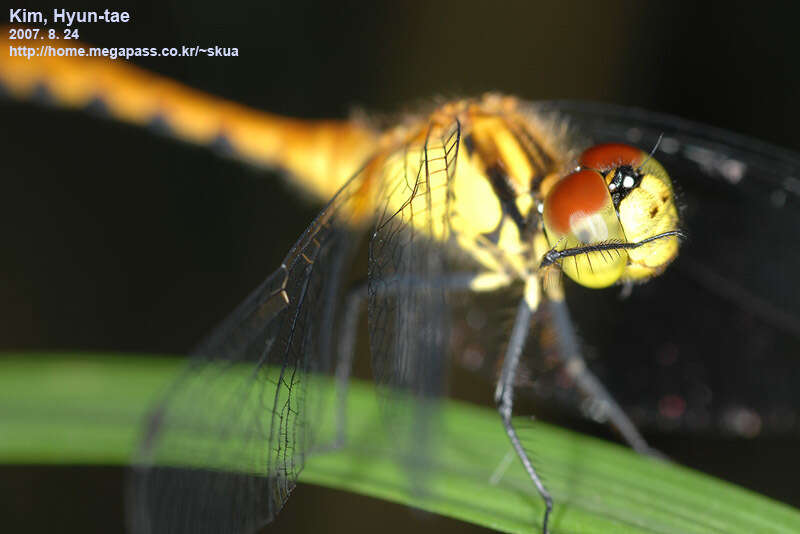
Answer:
(67, 18)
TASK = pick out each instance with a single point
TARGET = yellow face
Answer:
(617, 196)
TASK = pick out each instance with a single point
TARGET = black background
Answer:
(115, 239)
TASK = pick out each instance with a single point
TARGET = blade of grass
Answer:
(85, 409)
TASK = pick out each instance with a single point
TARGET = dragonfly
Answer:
(455, 199)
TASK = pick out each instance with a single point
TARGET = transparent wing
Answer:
(408, 269)
(408, 253)
(714, 343)
(223, 449)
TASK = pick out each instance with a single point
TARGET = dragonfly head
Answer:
(618, 195)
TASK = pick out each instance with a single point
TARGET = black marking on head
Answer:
(624, 180)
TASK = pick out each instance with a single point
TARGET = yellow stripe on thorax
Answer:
(424, 187)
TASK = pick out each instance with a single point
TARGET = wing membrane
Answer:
(223, 449)
(408, 252)
(408, 310)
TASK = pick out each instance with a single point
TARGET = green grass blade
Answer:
(85, 409)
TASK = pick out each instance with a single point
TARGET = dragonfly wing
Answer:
(723, 324)
(408, 264)
(222, 450)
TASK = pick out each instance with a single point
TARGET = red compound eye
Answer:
(579, 194)
(611, 155)
(579, 211)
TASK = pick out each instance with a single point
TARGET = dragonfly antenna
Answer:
(655, 148)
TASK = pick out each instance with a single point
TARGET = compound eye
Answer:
(611, 155)
(578, 211)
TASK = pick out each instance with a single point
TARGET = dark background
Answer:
(115, 239)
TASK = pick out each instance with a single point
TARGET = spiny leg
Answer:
(504, 394)
(588, 384)
(456, 282)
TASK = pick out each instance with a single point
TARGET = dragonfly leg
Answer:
(455, 282)
(504, 394)
(588, 384)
